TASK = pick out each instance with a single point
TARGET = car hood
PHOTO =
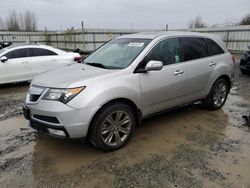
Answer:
(63, 77)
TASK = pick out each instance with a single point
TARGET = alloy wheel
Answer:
(220, 94)
(116, 128)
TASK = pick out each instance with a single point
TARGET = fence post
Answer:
(227, 39)
(57, 40)
(74, 35)
(65, 45)
(83, 37)
(45, 33)
(94, 40)
(29, 38)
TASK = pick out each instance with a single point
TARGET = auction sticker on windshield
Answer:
(136, 44)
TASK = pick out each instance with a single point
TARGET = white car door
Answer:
(17, 67)
(43, 60)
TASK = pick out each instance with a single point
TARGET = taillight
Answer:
(78, 59)
(233, 58)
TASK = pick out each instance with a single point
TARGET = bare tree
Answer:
(23, 21)
(12, 23)
(28, 21)
(197, 23)
(34, 21)
(245, 20)
(1, 24)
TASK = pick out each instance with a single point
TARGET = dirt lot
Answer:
(189, 147)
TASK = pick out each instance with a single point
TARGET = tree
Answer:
(23, 21)
(1, 24)
(30, 21)
(11, 22)
(197, 23)
(245, 20)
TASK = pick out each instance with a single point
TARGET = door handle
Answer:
(177, 72)
(212, 63)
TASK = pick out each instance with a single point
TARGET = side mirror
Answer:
(154, 65)
(3, 59)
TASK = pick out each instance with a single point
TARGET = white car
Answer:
(23, 62)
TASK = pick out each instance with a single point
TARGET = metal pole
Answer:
(94, 41)
(228, 31)
(166, 27)
(46, 42)
(56, 40)
(65, 45)
(74, 37)
(83, 37)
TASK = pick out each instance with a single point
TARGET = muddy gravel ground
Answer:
(188, 147)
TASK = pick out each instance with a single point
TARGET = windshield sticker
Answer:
(136, 44)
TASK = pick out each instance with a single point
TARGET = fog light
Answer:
(56, 132)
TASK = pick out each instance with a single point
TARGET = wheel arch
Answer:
(136, 110)
(225, 77)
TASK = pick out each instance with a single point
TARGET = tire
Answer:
(112, 127)
(217, 95)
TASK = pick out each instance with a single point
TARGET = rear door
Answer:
(43, 60)
(199, 66)
(165, 88)
(17, 67)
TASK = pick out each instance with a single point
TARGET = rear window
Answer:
(42, 52)
(213, 48)
(193, 48)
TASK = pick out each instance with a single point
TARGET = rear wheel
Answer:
(112, 127)
(218, 95)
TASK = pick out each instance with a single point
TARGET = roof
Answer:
(25, 45)
(152, 35)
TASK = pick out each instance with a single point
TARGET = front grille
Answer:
(49, 119)
(34, 98)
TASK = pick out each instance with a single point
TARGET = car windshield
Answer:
(118, 53)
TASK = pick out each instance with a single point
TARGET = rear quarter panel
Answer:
(224, 66)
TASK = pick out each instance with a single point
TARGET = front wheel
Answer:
(112, 127)
(218, 95)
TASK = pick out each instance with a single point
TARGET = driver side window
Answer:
(166, 51)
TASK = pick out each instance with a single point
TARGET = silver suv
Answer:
(127, 79)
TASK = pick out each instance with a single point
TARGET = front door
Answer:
(165, 88)
(17, 67)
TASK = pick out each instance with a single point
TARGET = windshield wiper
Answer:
(97, 65)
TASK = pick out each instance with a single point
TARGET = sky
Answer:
(136, 14)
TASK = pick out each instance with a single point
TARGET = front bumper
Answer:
(58, 119)
(55, 131)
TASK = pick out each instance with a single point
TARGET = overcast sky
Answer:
(146, 14)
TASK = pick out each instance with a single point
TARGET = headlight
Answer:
(62, 95)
